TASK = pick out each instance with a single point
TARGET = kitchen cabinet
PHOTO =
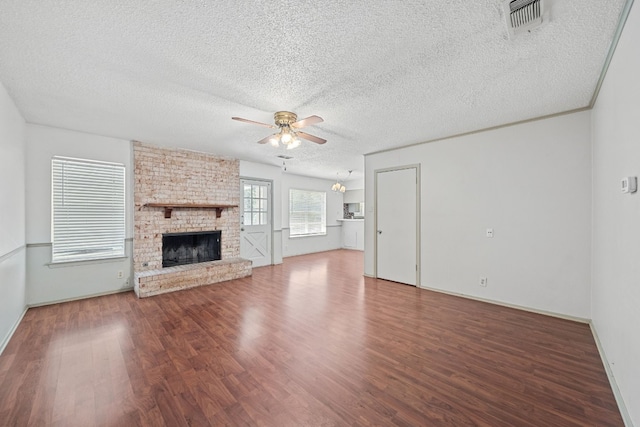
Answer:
(353, 234)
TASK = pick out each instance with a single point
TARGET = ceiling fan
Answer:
(288, 133)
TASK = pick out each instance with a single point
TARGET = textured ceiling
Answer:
(382, 74)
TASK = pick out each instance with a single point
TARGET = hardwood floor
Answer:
(307, 343)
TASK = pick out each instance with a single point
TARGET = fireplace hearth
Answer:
(190, 248)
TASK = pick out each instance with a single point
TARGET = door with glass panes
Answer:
(255, 221)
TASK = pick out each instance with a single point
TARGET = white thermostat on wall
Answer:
(629, 184)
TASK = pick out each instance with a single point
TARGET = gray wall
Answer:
(12, 217)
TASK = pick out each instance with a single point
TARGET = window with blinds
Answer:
(307, 213)
(88, 209)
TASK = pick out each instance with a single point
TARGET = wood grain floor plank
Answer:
(306, 343)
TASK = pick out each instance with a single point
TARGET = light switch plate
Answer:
(629, 184)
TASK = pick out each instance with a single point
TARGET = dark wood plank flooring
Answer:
(307, 343)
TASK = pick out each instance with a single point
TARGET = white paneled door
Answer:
(255, 221)
(397, 233)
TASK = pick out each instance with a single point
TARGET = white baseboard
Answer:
(612, 380)
(100, 294)
(515, 306)
(6, 339)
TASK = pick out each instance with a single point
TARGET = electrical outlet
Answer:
(120, 274)
(483, 281)
(489, 232)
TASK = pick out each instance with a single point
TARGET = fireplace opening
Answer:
(190, 248)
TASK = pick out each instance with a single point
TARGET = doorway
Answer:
(256, 229)
(397, 225)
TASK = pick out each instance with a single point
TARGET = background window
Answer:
(307, 212)
(88, 209)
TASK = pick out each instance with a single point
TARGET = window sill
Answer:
(298, 236)
(59, 264)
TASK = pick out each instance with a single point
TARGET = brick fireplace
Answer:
(180, 191)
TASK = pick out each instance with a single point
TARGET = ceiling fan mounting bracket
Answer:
(284, 118)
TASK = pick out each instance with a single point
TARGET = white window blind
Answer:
(88, 209)
(307, 212)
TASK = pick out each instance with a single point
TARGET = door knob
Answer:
(379, 231)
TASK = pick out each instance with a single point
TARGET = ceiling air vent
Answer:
(523, 15)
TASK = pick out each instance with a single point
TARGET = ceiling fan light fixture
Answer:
(285, 136)
(294, 143)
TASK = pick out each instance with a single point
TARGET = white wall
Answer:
(531, 184)
(616, 217)
(48, 283)
(355, 184)
(13, 301)
(354, 196)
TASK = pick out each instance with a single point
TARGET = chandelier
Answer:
(339, 185)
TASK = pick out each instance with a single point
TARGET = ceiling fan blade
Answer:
(311, 120)
(311, 138)
(240, 119)
(265, 139)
